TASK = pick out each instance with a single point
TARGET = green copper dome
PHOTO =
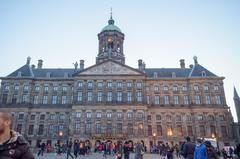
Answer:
(111, 26)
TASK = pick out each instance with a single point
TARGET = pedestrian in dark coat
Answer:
(139, 151)
(188, 149)
(12, 144)
(126, 150)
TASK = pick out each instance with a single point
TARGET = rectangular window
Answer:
(78, 114)
(119, 96)
(55, 88)
(224, 131)
(149, 117)
(119, 115)
(20, 116)
(165, 88)
(207, 100)
(159, 130)
(88, 128)
(99, 85)
(109, 96)
(62, 117)
(80, 84)
(140, 115)
(16, 87)
(218, 100)
(130, 128)
(179, 130)
(89, 96)
(109, 128)
(25, 87)
(175, 88)
(157, 100)
(129, 96)
(40, 129)
(184, 88)
(52, 116)
(14, 98)
(45, 99)
(166, 100)
(109, 115)
(32, 117)
(189, 131)
(206, 88)
(109, 85)
(215, 88)
(4, 98)
(35, 99)
(64, 99)
(156, 89)
(149, 130)
(119, 85)
(90, 85)
(54, 99)
(77, 128)
(129, 115)
(30, 129)
(45, 88)
(185, 100)
(139, 85)
(99, 115)
(119, 128)
(158, 117)
(64, 88)
(19, 128)
(89, 115)
(195, 88)
(197, 99)
(79, 96)
(98, 128)
(175, 100)
(129, 84)
(202, 130)
(148, 99)
(24, 98)
(99, 96)
(139, 96)
(213, 130)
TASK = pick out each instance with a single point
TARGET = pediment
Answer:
(110, 68)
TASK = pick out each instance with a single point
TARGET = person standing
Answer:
(200, 150)
(69, 148)
(188, 149)
(12, 144)
(139, 151)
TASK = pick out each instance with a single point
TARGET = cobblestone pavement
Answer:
(94, 156)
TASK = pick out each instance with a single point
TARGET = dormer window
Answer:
(203, 73)
(155, 75)
(19, 74)
(48, 75)
(65, 75)
(173, 75)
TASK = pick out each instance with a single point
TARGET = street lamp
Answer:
(60, 133)
(154, 138)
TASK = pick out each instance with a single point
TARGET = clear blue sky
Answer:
(158, 31)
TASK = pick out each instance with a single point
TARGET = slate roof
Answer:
(195, 71)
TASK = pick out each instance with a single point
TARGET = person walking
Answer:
(69, 149)
(12, 144)
(211, 152)
(200, 150)
(139, 150)
(126, 150)
(76, 148)
(188, 149)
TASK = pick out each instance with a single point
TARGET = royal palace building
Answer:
(113, 101)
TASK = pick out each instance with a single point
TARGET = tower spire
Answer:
(111, 21)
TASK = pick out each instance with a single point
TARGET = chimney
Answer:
(28, 60)
(33, 66)
(40, 63)
(81, 64)
(182, 63)
(140, 64)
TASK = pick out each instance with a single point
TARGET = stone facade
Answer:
(113, 101)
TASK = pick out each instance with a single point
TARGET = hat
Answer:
(199, 140)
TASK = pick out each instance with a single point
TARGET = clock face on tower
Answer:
(110, 39)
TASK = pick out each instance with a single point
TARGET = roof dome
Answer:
(111, 26)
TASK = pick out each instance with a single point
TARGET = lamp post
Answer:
(154, 138)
